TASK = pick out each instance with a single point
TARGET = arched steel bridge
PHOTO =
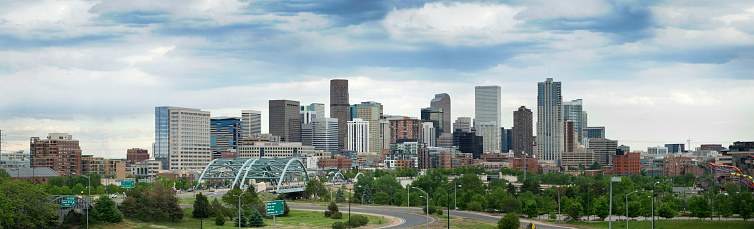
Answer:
(280, 172)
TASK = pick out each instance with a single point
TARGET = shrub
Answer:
(439, 211)
(336, 215)
(220, 219)
(328, 214)
(474, 206)
(255, 219)
(431, 209)
(332, 207)
(339, 225)
(359, 220)
(509, 221)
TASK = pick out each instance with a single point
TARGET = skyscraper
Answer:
(573, 111)
(339, 107)
(285, 120)
(318, 108)
(434, 115)
(549, 120)
(370, 112)
(442, 101)
(428, 134)
(325, 134)
(182, 138)
(487, 104)
(490, 133)
(522, 132)
(405, 129)
(358, 135)
(59, 152)
(251, 123)
(225, 135)
(603, 148)
(463, 124)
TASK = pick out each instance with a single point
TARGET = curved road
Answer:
(407, 219)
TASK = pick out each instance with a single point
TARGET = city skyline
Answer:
(651, 73)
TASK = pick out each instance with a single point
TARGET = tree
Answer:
(511, 189)
(4, 174)
(105, 210)
(65, 191)
(530, 208)
(243, 221)
(381, 198)
(474, 206)
(331, 209)
(595, 166)
(248, 199)
(666, 211)
(78, 189)
(202, 209)
(152, 204)
(509, 221)
(220, 219)
(340, 196)
(112, 189)
(255, 219)
(219, 209)
(574, 210)
(24, 205)
(699, 207)
(100, 190)
(602, 207)
(530, 185)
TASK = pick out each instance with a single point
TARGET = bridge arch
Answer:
(277, 171)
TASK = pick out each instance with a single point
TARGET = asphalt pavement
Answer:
(407, 219)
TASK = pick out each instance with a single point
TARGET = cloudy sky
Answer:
(652, 72)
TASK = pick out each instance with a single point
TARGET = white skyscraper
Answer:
(251, 123)
(549, 121)
(487, 104)
(490, 133)
(325, 134)
(182, 138)
(429, 134)
(358, 135)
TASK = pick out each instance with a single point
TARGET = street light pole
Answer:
(454, 189)
(627, 207)
(653, 204)
(612, 179)
(89, 190)
(425, 197)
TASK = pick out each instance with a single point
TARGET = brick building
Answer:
(34, 175)
(337, 162)
(532, 165)
(59, 152)
(494, 157)
(625, 163)
(674, 166)
(135, 155)
(103, 166)
(405, 129)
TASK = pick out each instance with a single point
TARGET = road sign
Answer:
(615, 179)
(127, 184)
(68, 202)
(275, 207)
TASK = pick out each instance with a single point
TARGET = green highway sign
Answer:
(68, 202)
(127, 184)
(275, 207)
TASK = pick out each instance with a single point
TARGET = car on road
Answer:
(113, 196)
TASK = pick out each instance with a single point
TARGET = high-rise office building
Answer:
(339, 107)
(603, 148)
(307, 116)
(428, 134)
(318, 108)
(573, 111)
(490, 133)
(570, 138)
(370, 112)
(358, 135)
(59, 152)
(463, 124)
(469, 143)
(405, 129)
(251, 123)
(435, 116)
(182, 138)
(506, 140)
(523, 139)
(676, 148)
(487, 101)
(325, 134)
(386, 134)
(442, 101)
(225, 135)
(285, 120)
(549, 121)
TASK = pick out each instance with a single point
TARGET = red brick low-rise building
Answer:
(532, 165)
(626, 163)
(675, 166)
(494, 157)
(338, 162)
(136, 155)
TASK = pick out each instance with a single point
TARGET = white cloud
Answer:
(543, 9)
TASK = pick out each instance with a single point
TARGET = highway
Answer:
(407, 219)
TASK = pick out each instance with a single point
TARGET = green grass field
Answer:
(672, 224)
(190, 200)
(296, 219)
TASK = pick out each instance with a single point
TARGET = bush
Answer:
(220, 219)
(328, 214)
(553, 216)
(332, 207)
(339, 225)
(509, 221)
(432, 209)
(439, 211)
(359, 220)
(474, 206)
(336, 215)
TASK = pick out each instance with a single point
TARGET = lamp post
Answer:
(349, 206)
(454, 189)
(653, 204)
(627, 207)
(239, 209)
(612, 180)
(558, 204)
(425, 197)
